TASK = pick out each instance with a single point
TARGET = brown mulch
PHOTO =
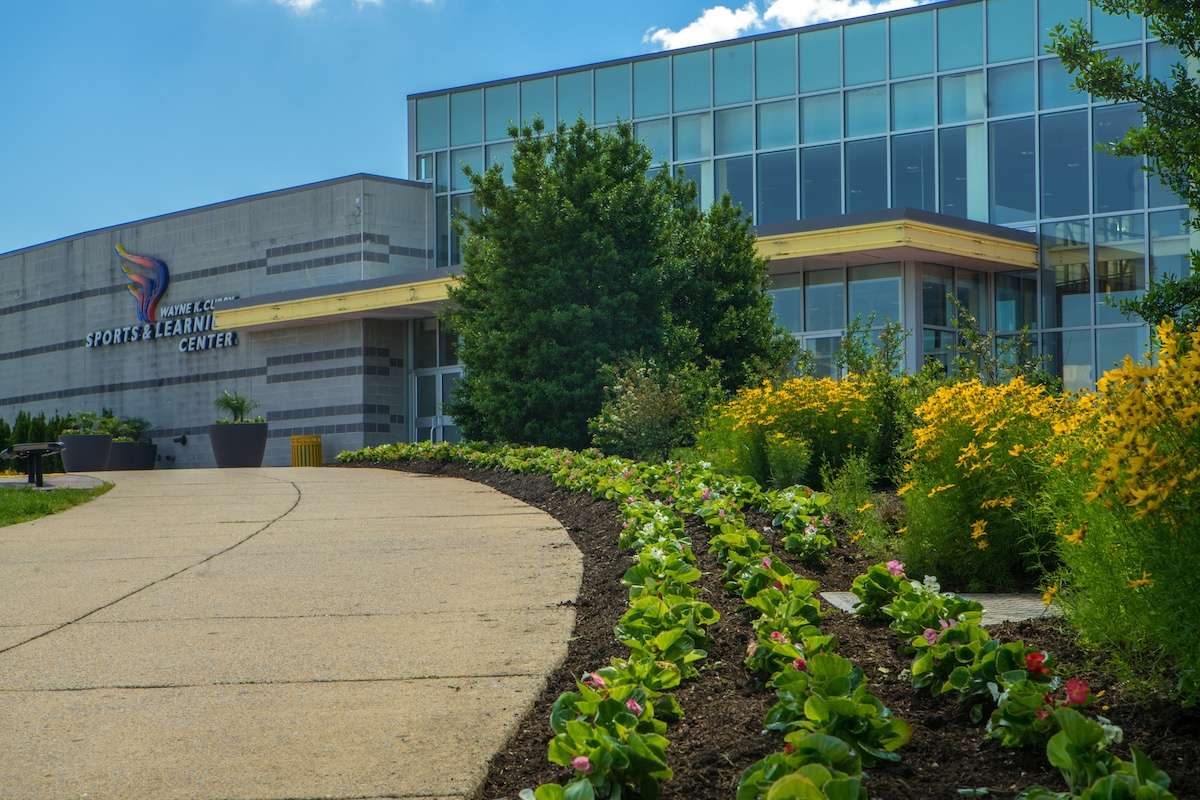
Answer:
(721, 733)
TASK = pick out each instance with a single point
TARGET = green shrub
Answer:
(788, 459)
(866, 513)
(732, 450)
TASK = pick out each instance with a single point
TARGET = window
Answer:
(960, 36)
(1118, 179)
(1110, 28)
(821, 118)
(612, 94)
(1055, 12)
(692, 79)
(1069, 355)
(787, 301)
(443, 231)
(776, 187)
(735, 177)
(1057, 86)
(866, 52)
(651, 87)
(821, 181)
(735, 130)
(1013, 172)
(820, 60)
(866, 111)
(777, 124)
(425, 347)
(657, 136)
(1163, 57)
(912, 171)
(912, 44)
(1120, 264)
(825, 350)
(875, 290)
(443, 173)
(693, 137)
(913, 105)
(537, 100)
(964, 97)
(701, 175)
(824, 300)
(501, 110)
(775, 75)
(432, 123)
(425, 167)
(575, 97)
(1113, 344)
(1010, 29)
(1064, 164)
(461, 205)
(1066, 284)
(937, 286)
(468, 157)
(866, 175)
(970, 289)
(1016, 301)
(1171, 239)
(733, 74)
(963, 170)
(1010, 89)
(502, 154)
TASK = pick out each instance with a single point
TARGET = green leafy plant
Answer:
(235, 405)
(770, 776)
(963, 659)
(789, 459)
(83, 423)
(922, 606)
(877, 587)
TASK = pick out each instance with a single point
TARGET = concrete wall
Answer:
(344, 379)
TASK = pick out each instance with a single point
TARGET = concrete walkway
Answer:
(275, 633)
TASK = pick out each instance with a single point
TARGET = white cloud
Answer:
(299, 6)
(794, 13)
(713, 25)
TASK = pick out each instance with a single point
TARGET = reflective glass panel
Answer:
(824, 300)
(657, 136)
(1171, 240)
(1010, 29)
(612, 94)
(537, 100)
(1118, 179)
(821, 117)
(1069, 356)
(1120, 264)
(432, 123)
(701, 174)
(651, 87)
(1160, 193)
(1163, 58)
(575, 97)
(1056, 85)
(466, 118)
(874, 290)
(825, 350)
(501, 154)
(425, 168)
(821, 181)
(1016, 300)
(820, 60)
(1065, 164)
(1110, 28)
(443, 172)
(866, 175)
(866, 52)
(735, 130)
(461, 205)
(964, 97)
(447, 349)
(787, 303)
(913, 171)
(777, 124)
(963, 170)
(692, 80)
(776, 188)
(735, 177)
(970, 289)
(468, 157)
(501, 109)
(912, 44)
(693, 136)
(1010, 89)
(937, 286)
(775, 73)
(937, 347)
(913, 104)
(442, 215)
(1054, 12)
(425, 348)
(1113, 344)
(733, 74)
(1013, 171)
(1066, 280)
(866, 111)
(960, 36)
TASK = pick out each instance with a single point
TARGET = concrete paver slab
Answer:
(997, 608)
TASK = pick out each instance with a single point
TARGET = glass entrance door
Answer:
(433, 389)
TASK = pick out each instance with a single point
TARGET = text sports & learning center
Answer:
(886, 161)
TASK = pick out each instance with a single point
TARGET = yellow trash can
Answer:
(306, 451)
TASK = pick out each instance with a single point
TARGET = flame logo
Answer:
(148, 286)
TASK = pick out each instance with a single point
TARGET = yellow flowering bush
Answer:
(974, 467)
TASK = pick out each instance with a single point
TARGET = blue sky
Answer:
(123, 109)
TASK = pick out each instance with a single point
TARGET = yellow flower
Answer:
(905, 489)
(1076, 536)
(1049, 595)
(865, 507)
(939, 489)
(1017, 449)
(856, 536)
(1059, 460)
(903, 529)
(1138, 583)
(982, 544)
(979, 529)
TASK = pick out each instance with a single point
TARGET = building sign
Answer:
(191, 322)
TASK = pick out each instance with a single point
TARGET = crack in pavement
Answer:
(298, 682)
(155, 582)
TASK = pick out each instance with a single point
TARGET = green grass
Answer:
(871, 517)
(22, 505)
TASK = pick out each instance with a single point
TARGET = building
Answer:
(886, 161)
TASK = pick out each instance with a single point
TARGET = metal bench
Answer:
(32, 454)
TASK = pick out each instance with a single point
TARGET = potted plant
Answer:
(237, 442)
(86, 443)
(129, 451)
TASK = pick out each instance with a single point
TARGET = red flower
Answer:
(1077, 691)
(789, 748)
(1035, 663)
(1041, 713)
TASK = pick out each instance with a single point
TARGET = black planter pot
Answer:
(86, 452)
(238, 444)
(132, 455)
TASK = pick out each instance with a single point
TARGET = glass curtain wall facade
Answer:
(954, 108)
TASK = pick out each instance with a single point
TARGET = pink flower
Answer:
(706, 494)
(581, 764)
(930, 635)
(1041, 713)
(766, 562)
(800, 664)
(1077, 691)
(594, 680)
(779, 586)
(896, 568)
(827, 521)
(776, 636)
(721, 513)
(633, 706)
(945, 623)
